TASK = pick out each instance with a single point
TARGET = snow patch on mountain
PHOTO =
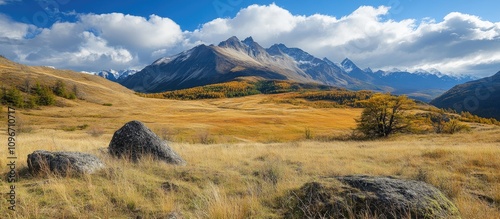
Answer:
(114, 75)
(348, 66)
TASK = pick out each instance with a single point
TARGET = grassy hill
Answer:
(243, 153)
(91, 88)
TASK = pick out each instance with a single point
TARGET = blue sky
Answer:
(191, 14)
(382, 34)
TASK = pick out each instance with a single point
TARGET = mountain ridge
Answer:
(114, 75)
(479, 97)
(233, 59)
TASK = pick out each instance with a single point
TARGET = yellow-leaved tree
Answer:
(384, 115)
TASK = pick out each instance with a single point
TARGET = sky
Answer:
(459, 37)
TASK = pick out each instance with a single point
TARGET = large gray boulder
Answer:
(135, 140)
(62, 163)
(375, 197)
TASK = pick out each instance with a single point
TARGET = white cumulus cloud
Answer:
(456, 44)
(93, 42)
(459, 44)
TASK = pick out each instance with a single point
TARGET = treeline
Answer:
(223, 90)
(235, 89)
(314, 95)
(29, 96)
(226, 90)
(339, 96)
(468, 117)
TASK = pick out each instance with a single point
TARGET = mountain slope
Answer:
(91, 88)
(232, 60)
(480, 97)
(321, 70)
(201, 65)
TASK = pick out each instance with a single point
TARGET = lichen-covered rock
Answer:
(361, 196)
(62, 162)
(134, 140)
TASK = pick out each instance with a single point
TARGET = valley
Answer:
(244, 154)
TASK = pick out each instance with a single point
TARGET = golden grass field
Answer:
(228, 179)
(251, 141)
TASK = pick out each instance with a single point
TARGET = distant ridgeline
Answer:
(324, 96)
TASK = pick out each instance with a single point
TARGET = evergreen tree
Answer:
(45, 97)
(13, 97)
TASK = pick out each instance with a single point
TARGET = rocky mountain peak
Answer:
(249, 41)
(233, 42)
(348, 65)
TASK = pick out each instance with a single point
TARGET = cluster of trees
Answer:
(243, 88)
(339, 96)
(443, 123)
(468, 117)
(32, 96)
(222, 90)
(274, 87)
(229, 89)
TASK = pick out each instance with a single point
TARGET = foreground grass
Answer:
(246, 180)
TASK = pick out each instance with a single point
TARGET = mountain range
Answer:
(114, 75)
(247, 60)
(480, 97)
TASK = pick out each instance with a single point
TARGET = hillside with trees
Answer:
(32, 86)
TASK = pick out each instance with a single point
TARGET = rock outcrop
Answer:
(62, 163)
(134, 140)
(361, 196)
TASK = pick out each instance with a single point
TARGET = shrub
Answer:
(454, 126)
(82, 127)
(439, 121)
